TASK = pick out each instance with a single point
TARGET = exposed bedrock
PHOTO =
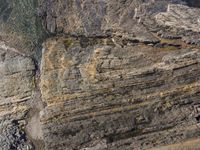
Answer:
(108, 97)
(114, 75)
(16, 85)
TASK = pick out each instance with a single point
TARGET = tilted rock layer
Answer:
(114, 75)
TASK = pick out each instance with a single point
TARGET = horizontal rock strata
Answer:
(118, 98)
(112, 75)
(16, 86)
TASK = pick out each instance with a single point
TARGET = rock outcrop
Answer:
(114, 75)
(16, 84)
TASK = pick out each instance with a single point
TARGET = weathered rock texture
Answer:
(20, 27)
(118, 98)
(115, 75)
(16, 84)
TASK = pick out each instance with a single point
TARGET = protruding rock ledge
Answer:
(180, 16)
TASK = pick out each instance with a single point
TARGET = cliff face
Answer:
(114, 75)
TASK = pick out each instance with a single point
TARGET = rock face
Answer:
(16, 84)
(118, 98)
(114, 75)
(20, 27)
(180, 16)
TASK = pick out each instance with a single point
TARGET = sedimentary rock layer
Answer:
(113, 75)
(118, 98)
(16, 86)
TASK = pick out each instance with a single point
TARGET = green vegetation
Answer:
(67, 42)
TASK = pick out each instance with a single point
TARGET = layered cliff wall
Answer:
(112, 75)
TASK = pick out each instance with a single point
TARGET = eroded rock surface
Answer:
(120, 98)
(179, 16)
(16, 85)
(114, 75)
